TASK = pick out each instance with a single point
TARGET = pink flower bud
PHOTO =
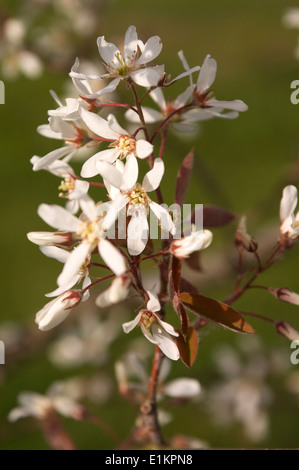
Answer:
(285, 329)
(54, 312)
(59, 239)
(286, 295)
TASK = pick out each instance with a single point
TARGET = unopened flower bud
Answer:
(59, 239)
(54, 312)
(285, 329)
(286, 295)
(198, 240)
(243, 238)
(117, 292)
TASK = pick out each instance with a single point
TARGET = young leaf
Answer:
(214, 216)
(216, 311)
(183, 178)
(188, 347)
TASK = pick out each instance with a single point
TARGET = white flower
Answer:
(89, 231)
(289, 222)
(56, 311)
(118, 291)
(154, 329)
(182, 388)
(131, 64)
(124, 191)
(61, 130)
(42, 406)
(82, 274)
(210, 107)
(71, 188)
(198, 240)
(81, 82)
(291, 18)
(122, 144)
(70, 111)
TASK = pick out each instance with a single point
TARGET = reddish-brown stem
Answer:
(164, 140)
(148, 410)
(170, 116)
(118, 105)
(257, 315)
(280, 248)
(101, 185)
(139, 109)
(55, 434)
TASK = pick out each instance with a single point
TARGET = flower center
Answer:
(123, 66)
(126, 145)
(67, 186)
(90, 231)
(147, 319)
(170, 108)
(202, 98)
(136, 197)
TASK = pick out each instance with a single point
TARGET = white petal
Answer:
(151, 50)
(153, 304)
(114, 126)
(153, 178)
(107, 51)
(165, 343)
(46, 131)
(75, 261)
(56, 253)
(137, 232)
(143, 148)
(185, 74)
(130, 42)
(88, 207)
(207, 74)
(112, 257)
(45, 161)
(148, 77)
(130, 325)
(183, 60)
(185, 388)
(182, 99)
(58, 217)
(114, 209)
(158, 97)
(148, 334)
(288, 202)
(130, 174)
(110, 173)
(166, 326)
(89, 168)
(164, 217)
(60, 290)
(98, 125)
(235, 105)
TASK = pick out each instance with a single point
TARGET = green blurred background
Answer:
(242, 165)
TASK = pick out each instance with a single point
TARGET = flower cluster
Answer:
(120, 229)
